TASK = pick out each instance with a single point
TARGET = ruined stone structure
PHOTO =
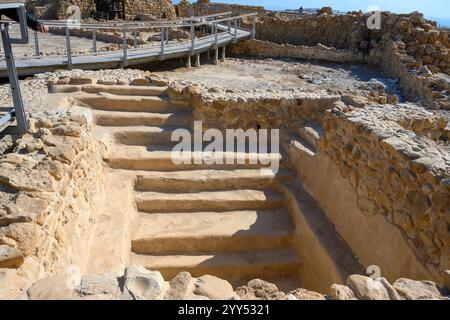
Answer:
(205, 7)
(407, 47)
(57, 9)
(363, 185)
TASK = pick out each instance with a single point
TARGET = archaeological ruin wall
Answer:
(51, 180)
(407, 47)
(379, 170)
(144, 10)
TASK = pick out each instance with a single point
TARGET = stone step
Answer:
(142, 135)
(230, 266)
(212, 232)
(140, 158)
(245, 199)
(125, 90)
(121, 118)
(204, 180)
(109, 102)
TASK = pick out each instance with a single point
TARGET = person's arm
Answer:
(31, 20)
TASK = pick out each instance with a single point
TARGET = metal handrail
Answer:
(224, 20)
(144, 24)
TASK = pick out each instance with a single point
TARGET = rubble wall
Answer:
(407, 47)
(57, 9)
(48, 188)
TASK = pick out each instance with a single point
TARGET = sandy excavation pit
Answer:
(362, 186)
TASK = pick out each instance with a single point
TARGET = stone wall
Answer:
(395, 174)
(205, 7)
(407, 46)
(384, 168)
(159, 9)
(56, 9)
(48, 187)
(268, 49)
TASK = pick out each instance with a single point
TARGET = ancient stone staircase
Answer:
(218, 219)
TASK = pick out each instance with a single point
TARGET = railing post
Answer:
(125, 44)
(94, 39)
(167, 35)
(235, 28)
(69, 49)
(253, 27)
(134, 39)
(162, 41)
(22, 123)
(36, 44)
(216, 34)
(192, 38)
(229, 25)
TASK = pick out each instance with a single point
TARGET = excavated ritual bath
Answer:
(315, 220)
(225, 220)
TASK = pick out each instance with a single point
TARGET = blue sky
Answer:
(431, 8)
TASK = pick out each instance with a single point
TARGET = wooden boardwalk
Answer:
(134, 56)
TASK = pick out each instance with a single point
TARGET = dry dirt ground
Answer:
(285, 77)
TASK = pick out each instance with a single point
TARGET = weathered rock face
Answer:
(141, 284)
(48, 185)
(205, 7)
(417, 290)
(57, 9)
(395, 174)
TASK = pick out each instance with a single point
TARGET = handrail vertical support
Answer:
(36, 44)
(19, 109)
(192, 38)
(235, 28)
(216, 34)
(94, 39)
(69, 49)
(125, 45)
(163, 32)
(229, 25)
(167, 35)
(253, 27)
(134, 39)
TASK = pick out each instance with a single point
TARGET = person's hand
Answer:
(43, 28)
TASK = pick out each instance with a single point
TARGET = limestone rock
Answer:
(179, 286)
(340, 292)
(12, 286)
(57, 287)
(104, 286)
(417, 290)
(365, 288)
(142, 284)
(303, 294)
(258, 289)
(140, 82)
(213, 288)
(10, 257)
